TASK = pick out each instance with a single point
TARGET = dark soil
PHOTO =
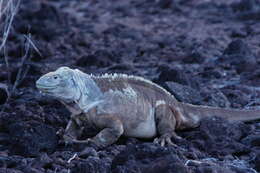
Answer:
(203, 51)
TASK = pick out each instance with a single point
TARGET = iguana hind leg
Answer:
(112, 130)
(166, 123)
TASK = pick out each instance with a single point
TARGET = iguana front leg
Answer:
(73, 130)
(112, 129)
(166, 124)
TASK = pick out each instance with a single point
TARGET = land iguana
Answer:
(126, 105)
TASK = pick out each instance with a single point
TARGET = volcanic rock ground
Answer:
(205, 52)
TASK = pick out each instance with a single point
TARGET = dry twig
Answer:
(11, 8)
(22, 73)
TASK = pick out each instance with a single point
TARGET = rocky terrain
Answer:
(205, 52)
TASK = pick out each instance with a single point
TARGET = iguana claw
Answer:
(86, 141)
(90, 142)
(166, 139)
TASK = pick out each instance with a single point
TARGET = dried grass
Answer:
(8, 10)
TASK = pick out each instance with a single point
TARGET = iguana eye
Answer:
(55, 77)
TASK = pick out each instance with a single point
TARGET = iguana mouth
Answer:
(44, 87)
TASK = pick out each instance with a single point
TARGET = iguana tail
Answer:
(199, 112)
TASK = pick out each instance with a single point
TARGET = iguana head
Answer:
(59, 84)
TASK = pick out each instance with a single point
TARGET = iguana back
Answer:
(143, 88)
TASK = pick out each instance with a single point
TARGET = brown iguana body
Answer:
(125, 105)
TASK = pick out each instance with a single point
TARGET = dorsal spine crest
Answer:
(118, 76)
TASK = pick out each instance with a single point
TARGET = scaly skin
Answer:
(125, 105)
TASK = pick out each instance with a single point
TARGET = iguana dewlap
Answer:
(125, 105)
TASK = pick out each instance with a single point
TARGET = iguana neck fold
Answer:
(89, 93)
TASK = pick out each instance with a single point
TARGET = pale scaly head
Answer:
(59, 84)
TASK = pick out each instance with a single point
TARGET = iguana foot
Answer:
(166, 139)
(88, 151)
(89, 142)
